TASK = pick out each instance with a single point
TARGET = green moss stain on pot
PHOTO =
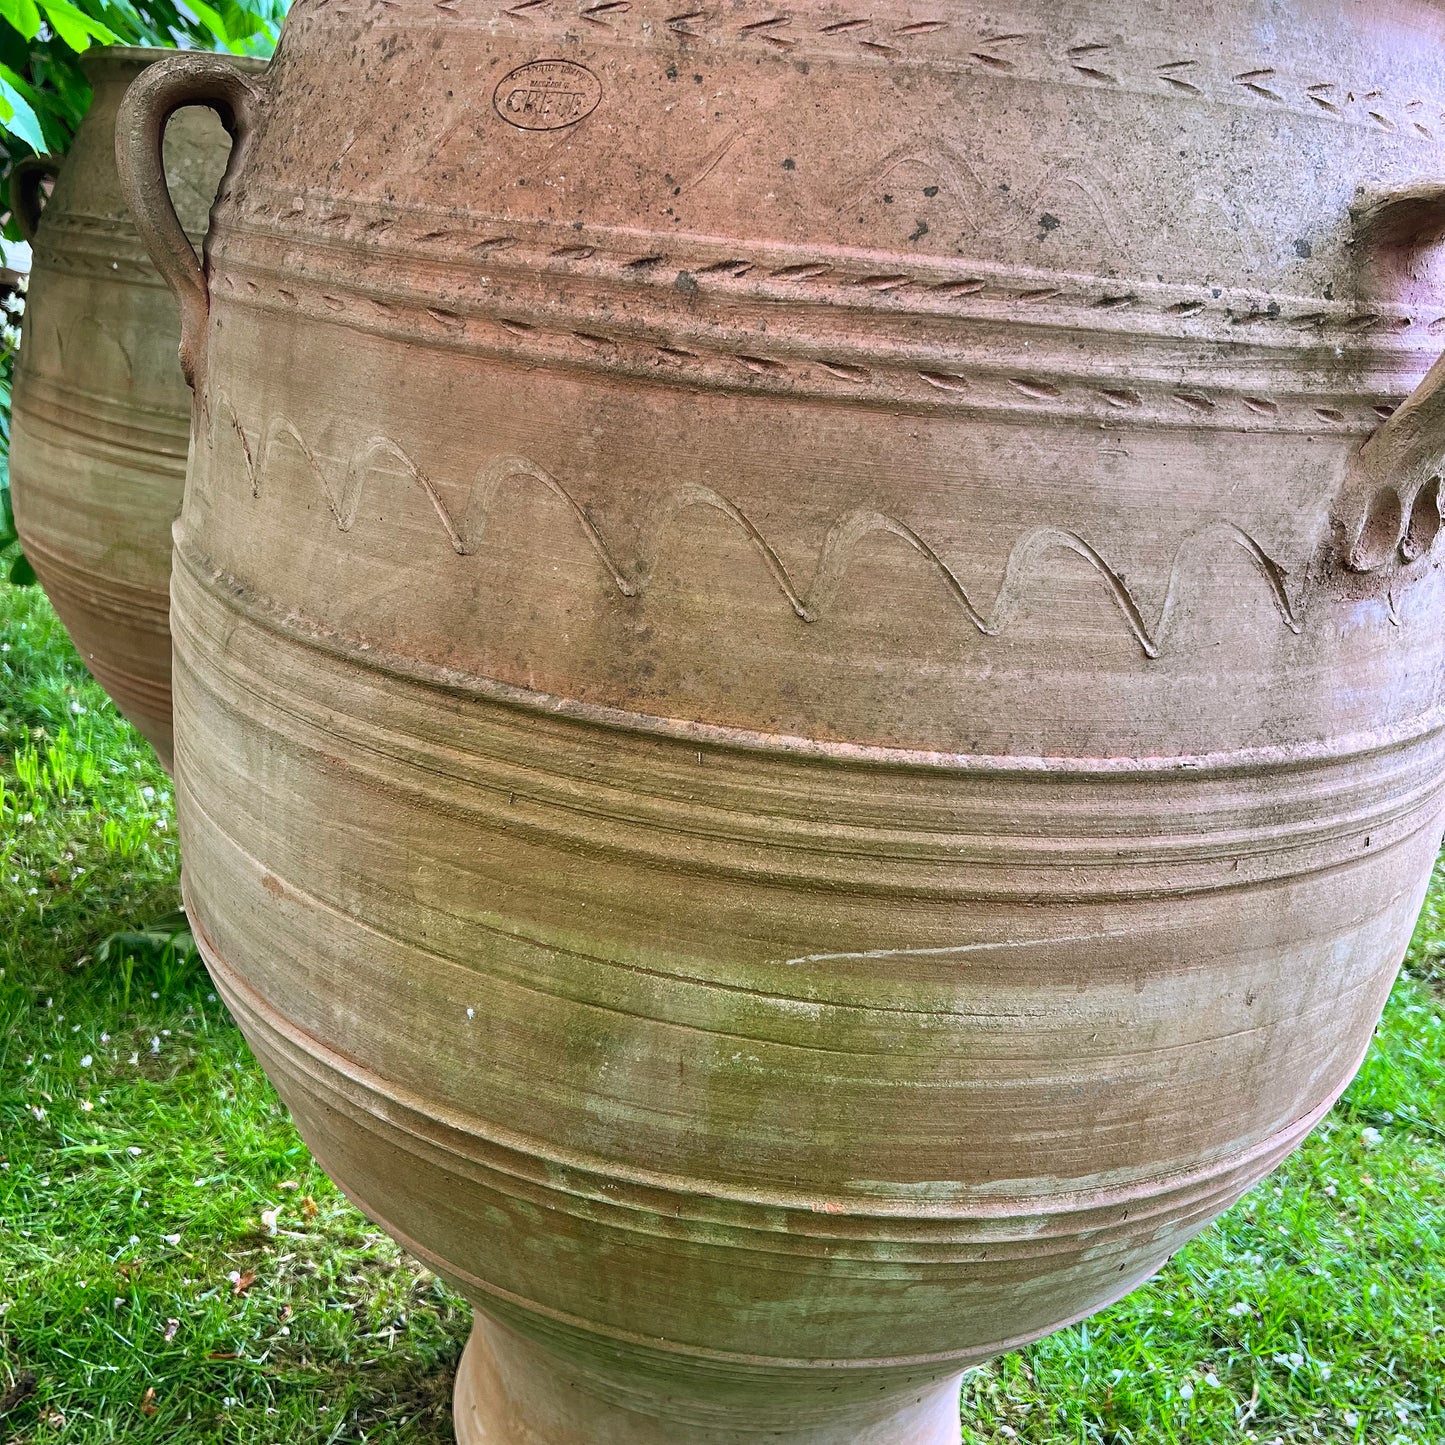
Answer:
(101, 414)
(797, 774)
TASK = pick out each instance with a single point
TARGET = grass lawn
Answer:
(173, 1266)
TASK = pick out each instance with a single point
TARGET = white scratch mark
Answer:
(959, 949)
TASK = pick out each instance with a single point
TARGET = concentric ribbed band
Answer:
(871, 820)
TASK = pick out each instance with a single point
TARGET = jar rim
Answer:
(100, 60)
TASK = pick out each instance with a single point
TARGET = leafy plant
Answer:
(167, 943)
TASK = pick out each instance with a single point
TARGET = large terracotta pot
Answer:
(805, 737)
(99, 429)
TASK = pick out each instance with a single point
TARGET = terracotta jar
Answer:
(99, 421)
(808, 675)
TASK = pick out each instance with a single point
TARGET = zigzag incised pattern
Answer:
(467, 534)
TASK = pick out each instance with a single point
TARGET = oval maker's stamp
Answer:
(547, 95)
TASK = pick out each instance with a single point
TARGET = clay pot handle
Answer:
(1413, 439)
(186, 78)
(26, 198)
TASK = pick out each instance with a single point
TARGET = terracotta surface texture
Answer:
(101, 410)
(808, 674)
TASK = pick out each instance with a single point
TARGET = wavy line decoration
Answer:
(1030, 557)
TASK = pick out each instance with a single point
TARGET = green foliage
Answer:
(83, 803)
(164, 944)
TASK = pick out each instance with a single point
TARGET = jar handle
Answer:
(1411, 444)
(186, 78)
(26, 198)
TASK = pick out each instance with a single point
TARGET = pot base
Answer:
(511, 1391)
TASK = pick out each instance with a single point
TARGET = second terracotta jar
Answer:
(101, 409)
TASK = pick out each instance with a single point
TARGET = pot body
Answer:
(780, 749)
(101, 410)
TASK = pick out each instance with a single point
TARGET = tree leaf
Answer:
(23, 15)
(211, 20)
(15, 110)
(74, 26)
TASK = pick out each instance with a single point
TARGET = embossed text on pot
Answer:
(808, 674)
